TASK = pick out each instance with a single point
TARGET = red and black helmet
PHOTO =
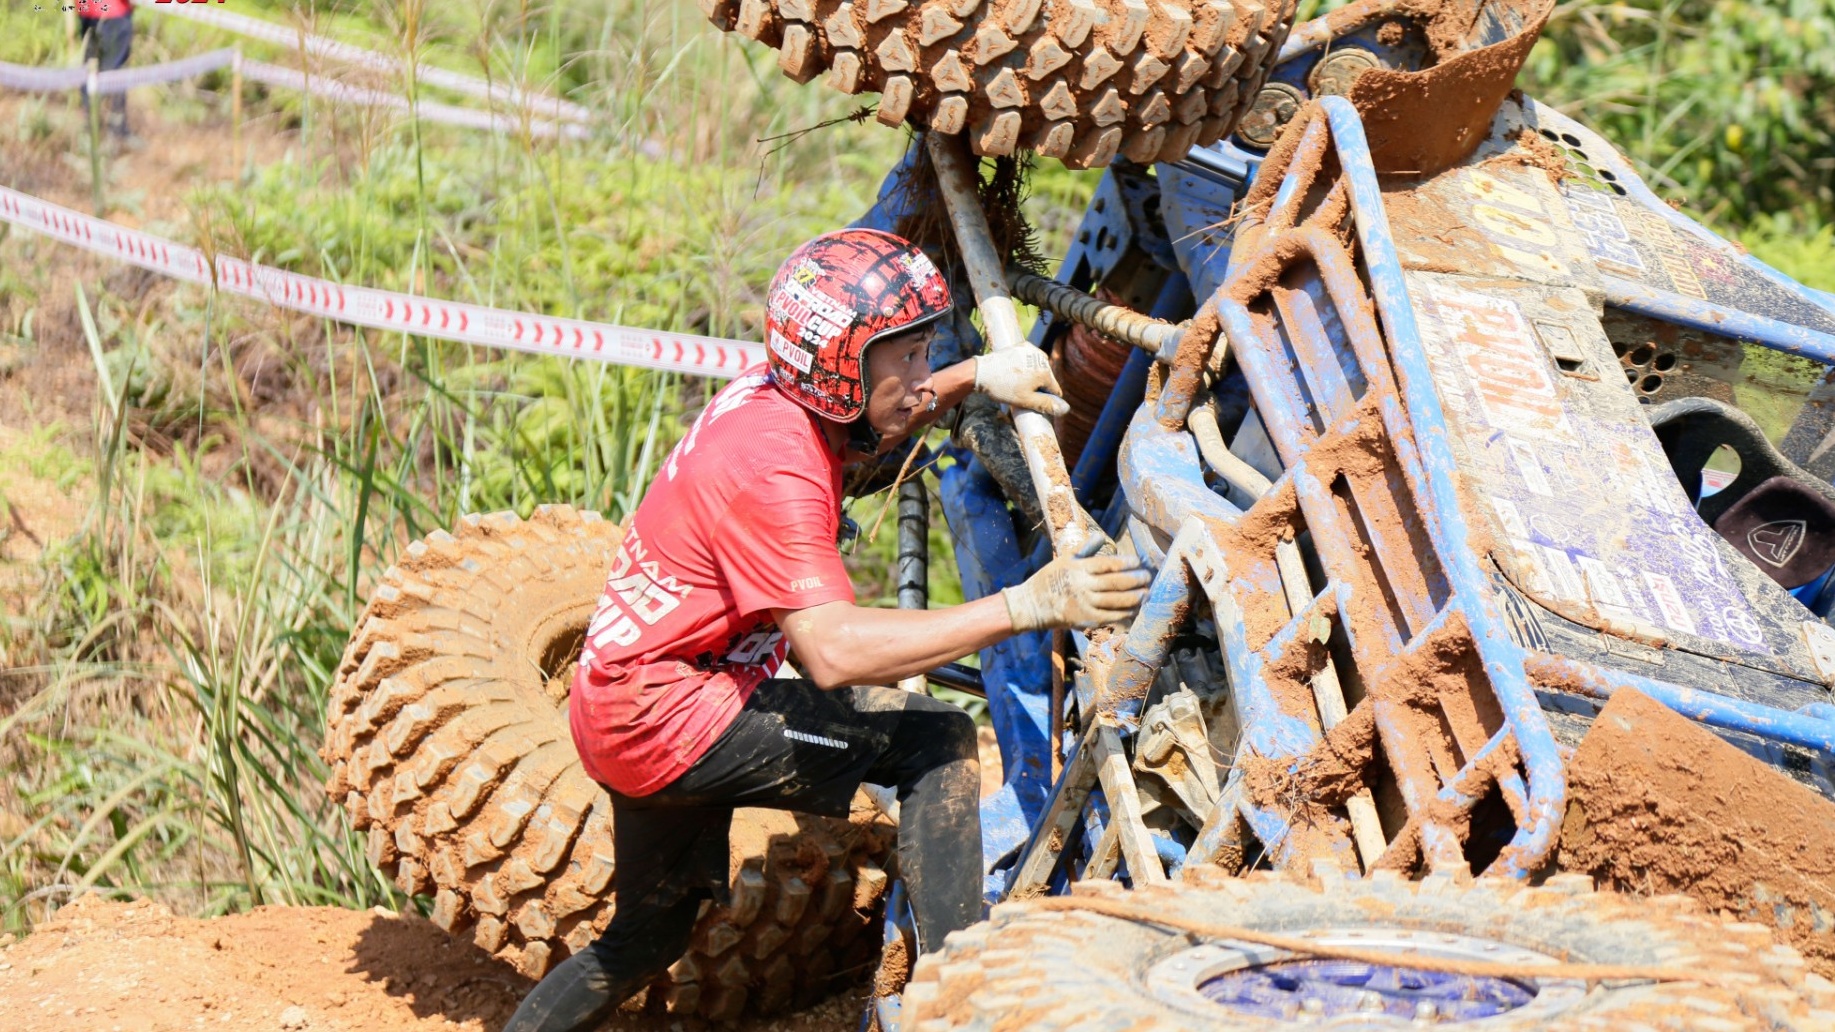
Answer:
(833, 297)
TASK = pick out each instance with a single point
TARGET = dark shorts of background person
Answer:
(109, 41)
(793, 747)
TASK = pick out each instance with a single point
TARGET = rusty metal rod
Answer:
(1124, 324)
(959, 179)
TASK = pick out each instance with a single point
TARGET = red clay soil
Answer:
(1421, 122)
(1658, 804)
(98, 966)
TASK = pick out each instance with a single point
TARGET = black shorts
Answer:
(792, 747)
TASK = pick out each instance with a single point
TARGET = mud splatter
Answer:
(1659, 804)
(1419, 123)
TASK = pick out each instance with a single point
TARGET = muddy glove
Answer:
(1081, 593)
(1020, 376)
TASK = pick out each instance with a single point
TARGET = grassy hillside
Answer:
(207, 488)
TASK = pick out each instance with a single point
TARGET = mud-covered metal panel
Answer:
(1197, 203)
(1662, 360)
(1634, 235)
(1557, 456)
(1498, 217)
(1536, 628)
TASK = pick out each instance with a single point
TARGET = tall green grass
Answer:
(251, 474)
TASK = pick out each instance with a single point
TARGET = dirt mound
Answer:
(1658, 803)
(97, 966)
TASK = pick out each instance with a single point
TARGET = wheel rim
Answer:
(1257, 981)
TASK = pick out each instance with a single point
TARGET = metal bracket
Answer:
(1175, 749)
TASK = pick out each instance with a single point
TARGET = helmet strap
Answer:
(861, 436)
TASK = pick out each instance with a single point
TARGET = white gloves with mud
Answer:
(1080, 593)
(1021, 377)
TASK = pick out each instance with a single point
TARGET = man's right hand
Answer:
(1079, 593)
(1020, 376)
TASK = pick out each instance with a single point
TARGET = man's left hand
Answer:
(1020, 376)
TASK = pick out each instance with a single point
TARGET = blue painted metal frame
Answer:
(1303, 397)
(1433, 471)
(1720, 319)
(1306, 386)
(1318, 380)
(1324, 372)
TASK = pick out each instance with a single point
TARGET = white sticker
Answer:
(1821, 640)
(789, 352)
(1669, 602)
(1509, 517)
(1530, 465)
(1563, 581)
(1535, 577)
(1502, 360)
(1603, 586)
(1606, 235)
(1661, 489)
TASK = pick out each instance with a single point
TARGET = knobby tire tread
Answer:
(1036, 969)
(455, 762)
(1078, 80)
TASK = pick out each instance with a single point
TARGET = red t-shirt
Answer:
(101, 9)
(740, 521)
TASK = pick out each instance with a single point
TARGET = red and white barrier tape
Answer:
(51, 80)
(59, 80)
(385, 310)
(544, 104)
(445, 114)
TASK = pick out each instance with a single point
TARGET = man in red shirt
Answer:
(108, 38)
(731, 561)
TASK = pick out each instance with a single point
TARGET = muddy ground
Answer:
(100, 966)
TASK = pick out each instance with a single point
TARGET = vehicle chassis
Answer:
(1413, 626)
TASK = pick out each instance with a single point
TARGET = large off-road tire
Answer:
(1079, 80)
(1035, 969)
(448, 743)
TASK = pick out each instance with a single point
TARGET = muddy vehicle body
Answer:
(1431, 494)
(1419, 404)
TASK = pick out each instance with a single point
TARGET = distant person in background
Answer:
(108, 37)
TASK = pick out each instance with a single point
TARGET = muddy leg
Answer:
(587, 987)
(668, 861)
(932, 760)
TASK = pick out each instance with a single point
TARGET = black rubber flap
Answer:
(1785, 528)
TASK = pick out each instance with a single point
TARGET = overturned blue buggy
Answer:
(1421, 405)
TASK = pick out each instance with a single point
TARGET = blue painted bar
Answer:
(1727, 322)
(1016, 672)
(1437, 479)
(1808, 730)
(1098, 455)
(1163, 477)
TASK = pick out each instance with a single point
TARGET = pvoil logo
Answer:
(1777, 541)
